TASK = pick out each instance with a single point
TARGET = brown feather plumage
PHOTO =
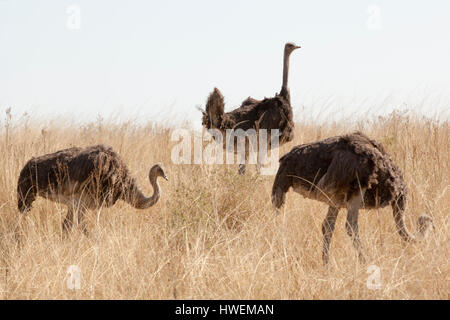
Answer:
(83, 178)
(350, 171)
(269, 113)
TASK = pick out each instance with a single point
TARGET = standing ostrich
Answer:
(349, 171)
(270, 113)
(83, 178)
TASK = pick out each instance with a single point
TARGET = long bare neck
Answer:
(284, 86)
(138, 200)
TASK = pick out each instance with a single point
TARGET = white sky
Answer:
(159, 59)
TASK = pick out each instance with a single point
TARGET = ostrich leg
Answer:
(351, 225)
(81, 220)
(68, 221)
(243, 166)
(327, 231)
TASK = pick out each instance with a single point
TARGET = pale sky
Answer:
(159, 59)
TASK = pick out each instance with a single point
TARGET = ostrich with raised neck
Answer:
(83, 178)
(269, 113)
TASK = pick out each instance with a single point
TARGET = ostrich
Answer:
(269, 113)
(349, 171)
(83, 178)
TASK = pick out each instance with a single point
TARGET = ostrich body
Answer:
(349, 171)
(269, 113)
(83, 178)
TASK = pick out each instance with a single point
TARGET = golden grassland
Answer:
(213, 234)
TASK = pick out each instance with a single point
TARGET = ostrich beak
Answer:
(165, 177)
(297, 47)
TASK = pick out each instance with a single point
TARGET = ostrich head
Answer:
(424, 223)
(157, 171)
(289, 47)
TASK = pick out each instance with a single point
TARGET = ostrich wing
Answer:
(348, 173)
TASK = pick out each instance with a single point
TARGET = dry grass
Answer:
(213, 234)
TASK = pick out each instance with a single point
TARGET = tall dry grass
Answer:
(213, 235)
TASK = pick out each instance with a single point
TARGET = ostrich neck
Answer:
(140, 201)
(284, 86)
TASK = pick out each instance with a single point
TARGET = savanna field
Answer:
(213, 234)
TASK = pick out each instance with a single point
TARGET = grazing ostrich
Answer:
(83, 178)
(270, 113)
(349, 171)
